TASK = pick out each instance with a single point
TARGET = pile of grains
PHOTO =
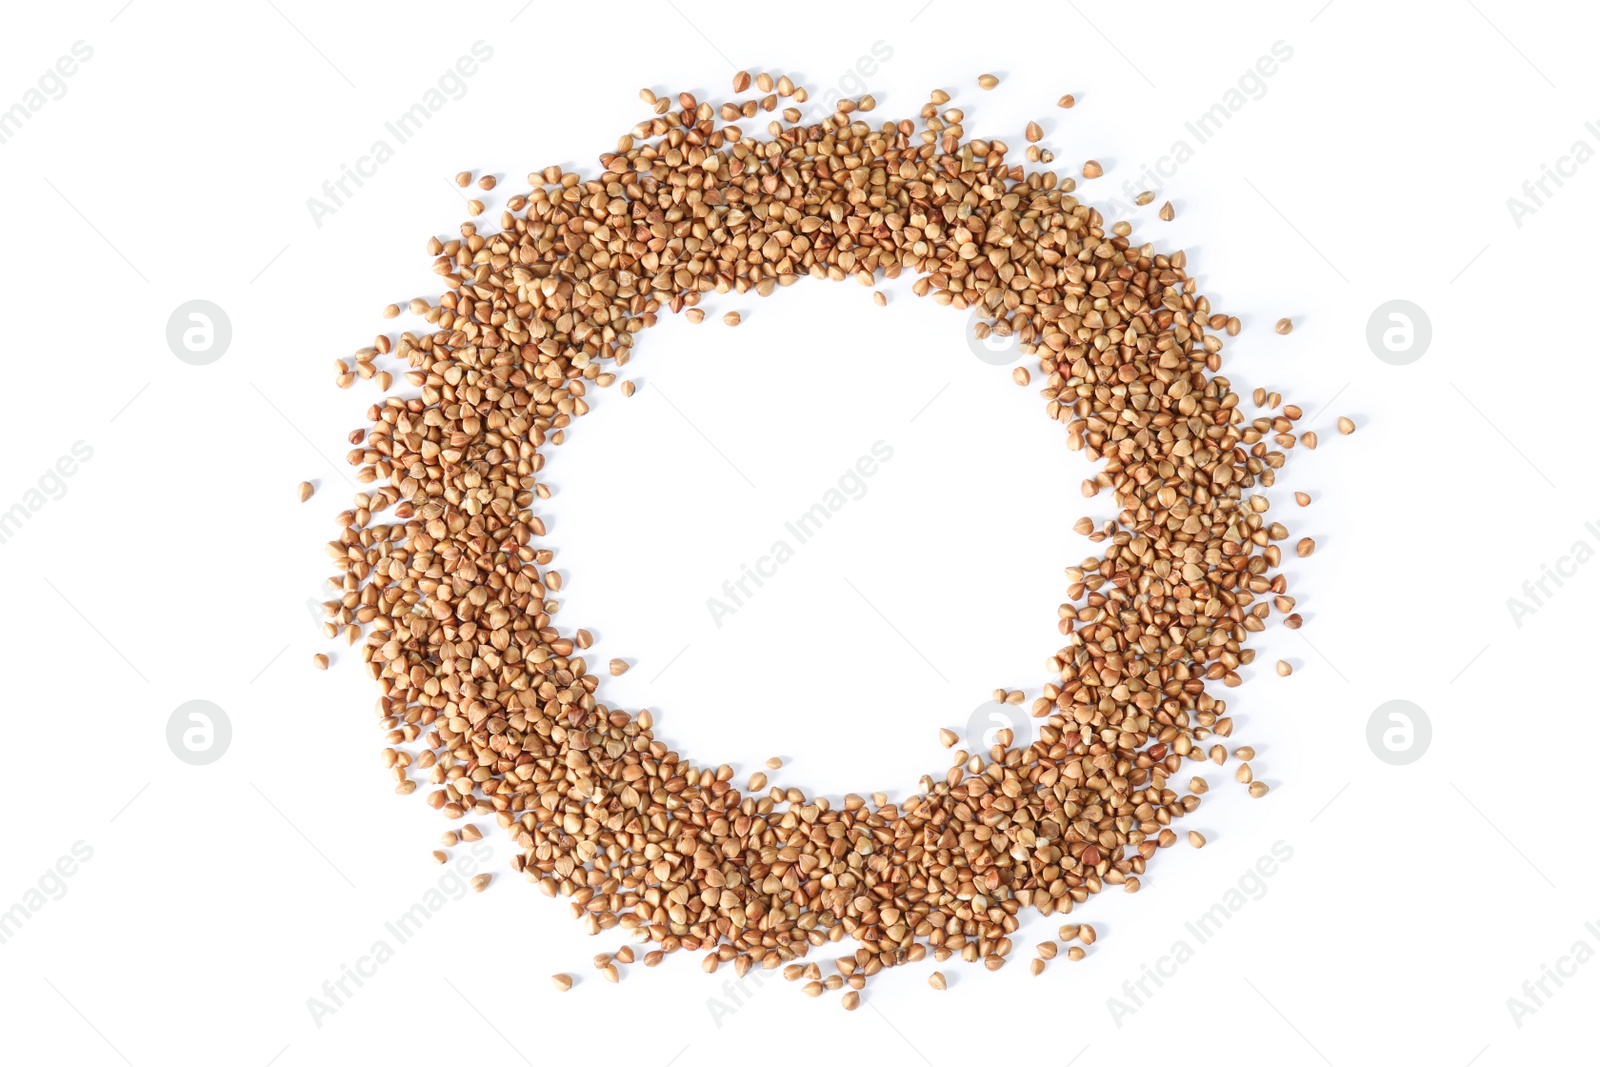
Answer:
(492, 709)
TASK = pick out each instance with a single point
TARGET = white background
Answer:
(1375, 165)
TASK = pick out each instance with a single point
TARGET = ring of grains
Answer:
(491, 708)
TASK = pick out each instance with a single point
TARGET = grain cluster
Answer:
(491, 708)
